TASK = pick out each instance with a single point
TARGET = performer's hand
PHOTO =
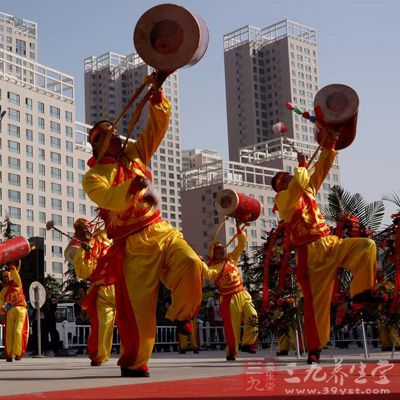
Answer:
(138, 183)
(333, 135)
(302, 159)
(83, 234)
(160, 77)
(151, 197)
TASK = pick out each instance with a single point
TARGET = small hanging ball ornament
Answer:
(298, 111)
(312, 119)
(279, 128)
(306, 115)
(289, 106)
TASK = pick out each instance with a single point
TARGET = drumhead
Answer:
(168, 37)
(337, 102)
(226, 201)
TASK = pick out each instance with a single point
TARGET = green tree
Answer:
(53, 285)
(72, 284)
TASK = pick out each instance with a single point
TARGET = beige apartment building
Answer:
(110, 81)
(43, 154)
(264, 68)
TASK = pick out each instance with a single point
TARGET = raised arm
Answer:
(15, 276)
(322, 167)
(84, 265)
(151, 137)
(237, 252)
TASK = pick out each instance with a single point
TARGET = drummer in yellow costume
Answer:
(100, 300)
(146, 248)
(12, 302)
(236, 303)
(319, 253)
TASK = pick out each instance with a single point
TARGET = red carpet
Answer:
(357, 381)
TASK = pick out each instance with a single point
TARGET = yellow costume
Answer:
(100, 300)
(12, 301)
(146, 249)
(319, 253)
(236, 303)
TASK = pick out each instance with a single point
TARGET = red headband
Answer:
(279, 178)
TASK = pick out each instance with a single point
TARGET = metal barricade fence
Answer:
(2, 333)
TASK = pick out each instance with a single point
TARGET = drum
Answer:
(168, 37)
(71, 250)
(14, 249)
(237, 205)
(337, 105)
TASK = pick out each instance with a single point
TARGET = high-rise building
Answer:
(43, 160)
(194, 158)
(199, 189)
(110, 81)
(264, 68)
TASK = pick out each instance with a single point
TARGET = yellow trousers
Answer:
(287, 342)
(156, 254)
(102, 325)
(17, 332)
(317, 267)
(183, 340)
(241, 310)
(388, 336)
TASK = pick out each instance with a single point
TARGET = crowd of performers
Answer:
(136, 250)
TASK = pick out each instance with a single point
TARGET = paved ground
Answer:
(32, 375)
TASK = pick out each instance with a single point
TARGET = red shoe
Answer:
(313, 356)
(18, 358)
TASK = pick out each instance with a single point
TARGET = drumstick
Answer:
(236, 235)
(50, 225)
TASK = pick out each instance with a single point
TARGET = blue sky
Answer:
(358, 41)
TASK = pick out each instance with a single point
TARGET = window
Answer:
(29, 199)
(70, 206)
(70, 176)
(29, 150)
(13, 98)
(29, 135)
(30, 231)
(14, 196)
(70, 222)
(68, 116)
(42, 138)
(40, 107)
(42, 217)
(57, 267)
(13, 114)
(29, 167)
(55, 112)
(82, 194)
(68, 131)
(29, 182)
(42, 186)
(69, 161)
(29, 215)
(56, 173)
(29, 119)
(55, 158)
(42, 154)
(82, 209)
(56, 204)
(20, 47)
(57, 219)
(42, 201)
(69, 146)
(70, 191)
(28, 103)
(42, 170)
(55, 142)
(14, 179)
(13, 147)
(13, 130)
(55, 127)
(56, 189)
(14, 163)
(56, 251)
(14, 212)
(41, 123)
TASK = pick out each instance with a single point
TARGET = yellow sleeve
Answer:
(321, 168)
(237, 252)
(287, 200)
(83, 267)
(97, 183)
(15, 276)
(151, 137)
(209, 273)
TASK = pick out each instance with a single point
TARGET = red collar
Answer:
(105, 160)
